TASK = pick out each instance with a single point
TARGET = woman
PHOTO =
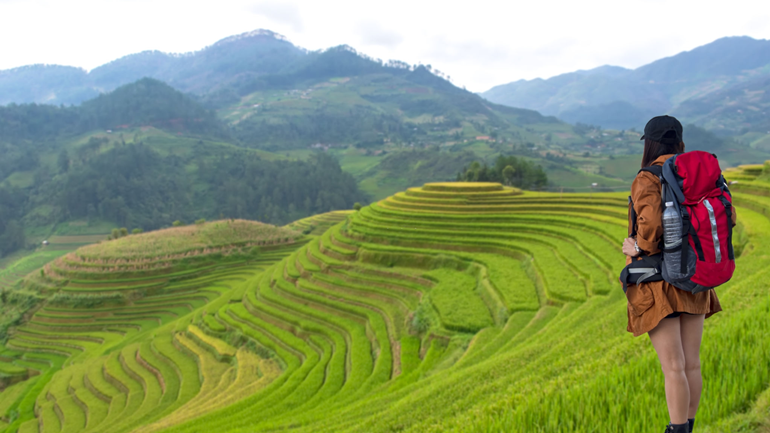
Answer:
(673, 318)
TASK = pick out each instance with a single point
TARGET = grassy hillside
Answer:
(448, 307)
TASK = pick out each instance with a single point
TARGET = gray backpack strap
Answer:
(654, 169)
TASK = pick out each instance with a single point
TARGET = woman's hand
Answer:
(629, 248)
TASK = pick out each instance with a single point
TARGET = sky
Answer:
(479, 43)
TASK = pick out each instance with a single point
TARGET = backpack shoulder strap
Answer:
(657, 170)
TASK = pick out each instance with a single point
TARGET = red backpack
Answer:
(693, 186)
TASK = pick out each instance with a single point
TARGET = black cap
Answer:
(658, 126)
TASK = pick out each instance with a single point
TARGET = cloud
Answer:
(281, 13)
(374, 34)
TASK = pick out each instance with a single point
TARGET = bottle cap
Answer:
(669, 203)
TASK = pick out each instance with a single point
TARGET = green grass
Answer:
(458, 304)
(16, 269)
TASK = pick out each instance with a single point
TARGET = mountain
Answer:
(236, 57)
(50, 84)
(739, 109)
(147, 102)
(261, 86)
(339, 97)
(620, 98)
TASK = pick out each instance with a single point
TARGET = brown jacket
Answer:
(649, 303)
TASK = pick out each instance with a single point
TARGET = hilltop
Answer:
(621, 98)
(448, 307)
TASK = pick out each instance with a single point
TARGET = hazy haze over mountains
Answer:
(684, 84)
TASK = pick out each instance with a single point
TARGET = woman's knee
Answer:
(692, 364)
(673, 365)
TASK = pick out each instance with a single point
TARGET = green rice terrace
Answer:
(452, 307)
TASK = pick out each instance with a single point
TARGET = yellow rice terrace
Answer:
(167, 250)
(452, 307)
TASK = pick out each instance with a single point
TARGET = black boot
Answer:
(691, 422)
(678, 428)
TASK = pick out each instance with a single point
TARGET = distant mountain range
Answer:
(276, 96)
(239, 57)
(724, 86)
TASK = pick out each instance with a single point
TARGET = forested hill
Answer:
(341, 97)
(147, 102)
(691, 85)
(101, 181)
(144, 156)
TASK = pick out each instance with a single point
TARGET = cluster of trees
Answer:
(131, 185)
(246, 186)
(508, 170)
(11, 227)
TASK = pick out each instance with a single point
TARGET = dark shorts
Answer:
(675, 314)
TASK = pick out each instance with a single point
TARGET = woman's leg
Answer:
(667, 340)
(692, 332)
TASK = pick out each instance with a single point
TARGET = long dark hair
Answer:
(655, 149)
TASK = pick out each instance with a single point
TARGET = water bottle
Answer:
(672, 237)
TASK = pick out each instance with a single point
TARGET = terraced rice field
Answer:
(99, 362)
(14, 268)
(317, 224)
(451, 307)
(150, 261)
(18, 269)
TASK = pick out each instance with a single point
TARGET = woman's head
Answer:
(662, 136)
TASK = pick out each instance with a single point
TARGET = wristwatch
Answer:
(636, 247)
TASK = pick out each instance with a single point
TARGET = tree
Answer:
(357, 206)
(177, 223)
(123, 232)
(115, 233)
(508, 173)
(510, 170)
(136, 231)
(63, 161)
(12, 238)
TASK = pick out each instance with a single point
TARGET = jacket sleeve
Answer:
(645, 193)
